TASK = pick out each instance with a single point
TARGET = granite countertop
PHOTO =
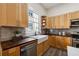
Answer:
(13, 43)
(60, 35)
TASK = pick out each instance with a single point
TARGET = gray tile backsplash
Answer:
(7, 33)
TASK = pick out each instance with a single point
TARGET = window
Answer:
(33, 21)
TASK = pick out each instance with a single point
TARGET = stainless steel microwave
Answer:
(75, 23)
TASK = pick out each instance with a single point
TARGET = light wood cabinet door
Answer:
(53, 22)
(14, 14)
(59, 42)
(5, 53)
(3, 18)
(0, 14)
(66, 21)
(67, 42)
(49, 22)
(40, 49)
(75, 15)
(12, 52)
(52, 41)
(11, 14)
(46, 46)
(23, 15)
(57, 22)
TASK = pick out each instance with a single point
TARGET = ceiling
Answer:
(50, 5)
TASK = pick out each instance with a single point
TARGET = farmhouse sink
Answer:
(40, 38)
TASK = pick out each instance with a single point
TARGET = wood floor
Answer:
(55, 52)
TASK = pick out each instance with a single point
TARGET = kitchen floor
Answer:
(55, 52)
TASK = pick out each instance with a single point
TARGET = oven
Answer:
(28, 50)
(75, 43)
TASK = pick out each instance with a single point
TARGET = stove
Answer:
(75, 42)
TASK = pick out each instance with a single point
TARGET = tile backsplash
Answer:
(7, 33)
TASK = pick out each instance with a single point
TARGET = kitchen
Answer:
(39, 29)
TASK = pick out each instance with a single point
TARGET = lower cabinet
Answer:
(52, 41)
(12, 52)
(60, 42)
(42, 48)
(67, 42)
(46, 46)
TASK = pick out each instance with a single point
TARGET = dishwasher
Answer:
(29, 50)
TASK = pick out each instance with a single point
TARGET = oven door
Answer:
(29, 50)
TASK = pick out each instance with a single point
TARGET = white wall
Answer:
(65, 8)
(37, 8)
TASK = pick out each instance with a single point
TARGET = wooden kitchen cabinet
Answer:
(62, 42)
(46, 45)
(12, 52)
(53, 22)
(52, 41)
(59, 42)
(67, 42)
(66, 20)
(74, 15)
(14, 14)
(61, 21)
(23, 15)
(57, 22)
(0, 13)
(3, 18)
(49, 22)
(11, 14)
(40, 49)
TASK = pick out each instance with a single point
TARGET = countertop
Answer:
(13, 43)
(60, 35)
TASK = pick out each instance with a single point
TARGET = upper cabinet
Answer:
(75, 15)
(23, 15)
(11, 14)
(57, 22)
(49, 22)
(66, 20)
(53, 22)
(62, 21)
(3, 17)
(14, 14)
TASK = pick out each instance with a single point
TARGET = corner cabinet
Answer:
(13, 14)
